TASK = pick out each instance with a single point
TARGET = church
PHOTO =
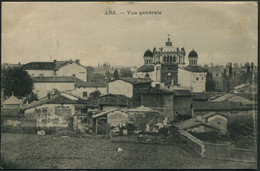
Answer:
(166, 67)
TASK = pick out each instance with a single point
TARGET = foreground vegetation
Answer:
(28, 151)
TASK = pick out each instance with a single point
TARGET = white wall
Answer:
(73, 68)
(142, 75)
(120, 87)
(189, 80)
(42, 88)
(36, 73)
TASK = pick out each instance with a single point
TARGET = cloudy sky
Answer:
(220, 32)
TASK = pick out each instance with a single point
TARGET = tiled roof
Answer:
(12, 100)
(106, 112)
(194, 69)
(221, 106)
(39, 66)
(90, 84)
(57, 98)
(146, 68)
(134, 80)
(56, 79)
(55, 65)
(176, 92)
(111, 100)
(203, 96)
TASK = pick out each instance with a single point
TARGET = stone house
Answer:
(210, 122)
(43, 85)
(109, 102)
(130, 87)
(56, 109)
(174, 102)
(57, 68)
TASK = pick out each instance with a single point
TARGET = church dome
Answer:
(148, 53)
(193, 54)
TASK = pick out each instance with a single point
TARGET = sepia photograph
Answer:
(129, 85)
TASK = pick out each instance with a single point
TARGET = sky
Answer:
(219, 32)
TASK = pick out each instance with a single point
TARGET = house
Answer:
(147, 119)
(85, 88)
(43, 85)
(104, 120)
(210, 122)
(83, 122)
(192, 77)
(130, 87)
(109, 102)
(12, 102)
(175, 102)
(57, 68)
(56, 109)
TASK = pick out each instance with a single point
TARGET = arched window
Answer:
(170, 58)
(174, 59)
(164, 59)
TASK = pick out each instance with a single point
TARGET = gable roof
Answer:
(221, 106)
(208, 115)
(39, 66)
(193, 122)
(194, 69)
(134, 80)
(89, 84)
(164, 91)
(146, 68)
(57, 98)
(55, 65)
(56, 79)
(203, 96)
(106, 112)
(110, 100)
(12, 101)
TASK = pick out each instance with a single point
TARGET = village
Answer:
(170, 100)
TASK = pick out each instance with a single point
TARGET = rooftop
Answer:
(90, 84)
(56, 79)
(59, 97)
(194, 69)
(146, 68)
(134, 80)
(12, 101)
(175, 91)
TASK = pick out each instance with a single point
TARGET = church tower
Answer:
(193, 58)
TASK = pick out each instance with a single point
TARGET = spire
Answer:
(168, 43)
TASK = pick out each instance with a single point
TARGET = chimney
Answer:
(77, 61)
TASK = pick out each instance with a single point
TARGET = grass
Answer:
(25, 151)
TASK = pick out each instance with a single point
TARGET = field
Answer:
(25, 151)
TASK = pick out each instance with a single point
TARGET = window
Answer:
(174, 59)
(73, 75)
(41, 75)
(85, 94)
(170, 59)
(197, 78)
(202, 78)
(164, 59)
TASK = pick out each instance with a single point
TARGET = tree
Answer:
(16, 80)
(126, 72)
(116, 74)
(95, 94)
(210, 83)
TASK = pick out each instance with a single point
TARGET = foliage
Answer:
(126, 72)
(31, 98)
(116, 74)
(95, 94)
(240, 125)
(210, 83)
(16, 80)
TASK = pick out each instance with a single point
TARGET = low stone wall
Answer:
(193, 142)
(218, 151)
